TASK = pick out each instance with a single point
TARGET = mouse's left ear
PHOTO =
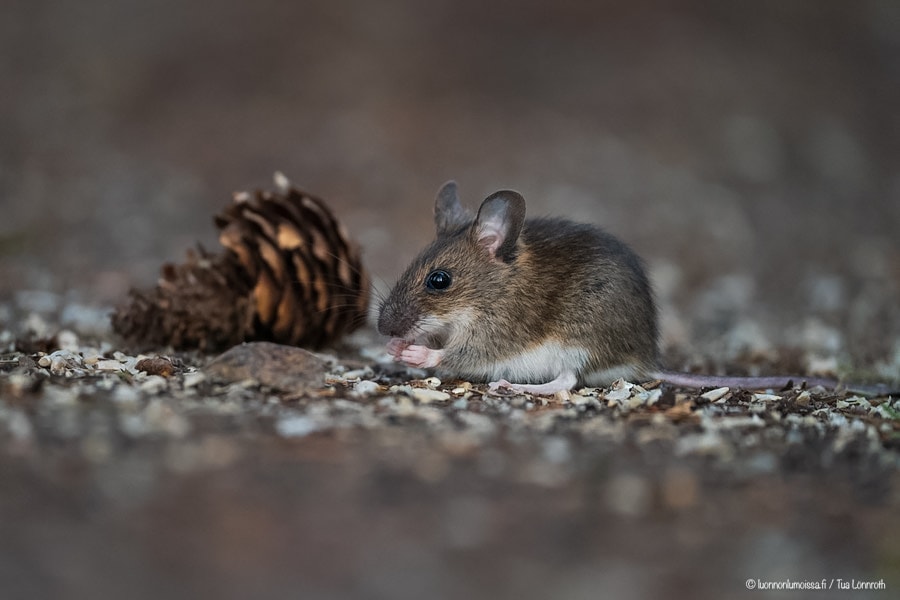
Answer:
(449, 215)
(499, 223)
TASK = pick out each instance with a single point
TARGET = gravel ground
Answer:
(148, 475)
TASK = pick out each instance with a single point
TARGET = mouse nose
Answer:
(390, 329)
(385, 330)
(391, 322)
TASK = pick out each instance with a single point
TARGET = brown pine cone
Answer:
(289, 274)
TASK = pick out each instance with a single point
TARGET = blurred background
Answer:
(749, 151)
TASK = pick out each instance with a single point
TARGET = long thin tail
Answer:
(781, 382)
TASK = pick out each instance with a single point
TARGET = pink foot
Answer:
(396, 346)
(565, 382)
(421, 357)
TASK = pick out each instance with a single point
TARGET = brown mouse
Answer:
(538, 305)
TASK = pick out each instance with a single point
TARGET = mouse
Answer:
(538, 305)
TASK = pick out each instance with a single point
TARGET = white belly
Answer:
(540, 364)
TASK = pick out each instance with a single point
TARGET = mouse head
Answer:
(462, 274)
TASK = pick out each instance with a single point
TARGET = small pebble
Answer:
(616, 396)
(366, 387)
(427, 396)
(716, 394)
(108, 365)
(61, 361)
(649, 398)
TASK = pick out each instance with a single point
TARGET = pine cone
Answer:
(289, 274)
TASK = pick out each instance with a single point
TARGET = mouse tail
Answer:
(780, 382)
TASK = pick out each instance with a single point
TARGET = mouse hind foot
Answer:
(563, 383)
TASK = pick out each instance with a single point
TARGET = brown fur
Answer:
(557, 281)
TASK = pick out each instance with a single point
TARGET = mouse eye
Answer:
(438, 280)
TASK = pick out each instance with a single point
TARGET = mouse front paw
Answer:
(395, 346)
(421, 357)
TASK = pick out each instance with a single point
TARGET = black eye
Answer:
(438, 280)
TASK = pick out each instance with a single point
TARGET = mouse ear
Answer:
(499, 223)
(449, 215)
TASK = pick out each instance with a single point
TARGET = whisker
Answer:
(361, 271)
